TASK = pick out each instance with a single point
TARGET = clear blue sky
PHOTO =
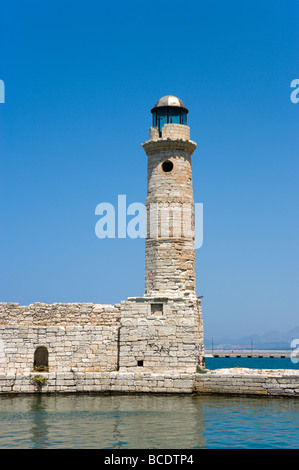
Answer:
(80, 80)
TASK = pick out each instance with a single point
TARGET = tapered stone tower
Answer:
(163, 329)
(170, 258)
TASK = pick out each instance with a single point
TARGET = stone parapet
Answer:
(170, 131)
(58, 314)
(175, 131)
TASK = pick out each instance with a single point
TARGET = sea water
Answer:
(148, 421)
(251, 362)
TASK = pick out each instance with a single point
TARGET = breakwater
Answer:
(236, 381)
(256, 353)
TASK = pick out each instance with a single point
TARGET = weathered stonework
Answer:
(170, 257)
(76, 336)
(58, 314)
(87, 337)
(161, 334)
(242, 382)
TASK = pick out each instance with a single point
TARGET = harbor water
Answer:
(151, 421)
(213, 363)
(147, 422)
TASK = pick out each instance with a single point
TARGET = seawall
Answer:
(242, 381)
(254, 382)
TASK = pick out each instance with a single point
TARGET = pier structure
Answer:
(255, 353)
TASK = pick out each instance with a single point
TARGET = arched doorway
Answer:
(41, 359)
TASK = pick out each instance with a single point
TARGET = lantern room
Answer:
(169, 110)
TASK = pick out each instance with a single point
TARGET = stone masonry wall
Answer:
(175, 131)
(77, 336)
(241, 381)
(87, 337)
(74, 347)
(170, 131)
(88, 382)
(169, 266)
(267, 383)
(161, 334)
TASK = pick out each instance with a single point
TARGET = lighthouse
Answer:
(162, 329)
(169, 245)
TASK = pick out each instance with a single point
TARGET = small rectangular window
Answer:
(157, 308)
(140, 363)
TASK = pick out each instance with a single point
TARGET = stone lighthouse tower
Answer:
(163, 328)
(170, 258)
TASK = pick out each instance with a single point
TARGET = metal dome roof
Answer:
(169, 101)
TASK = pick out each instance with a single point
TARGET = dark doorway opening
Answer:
(41, 359)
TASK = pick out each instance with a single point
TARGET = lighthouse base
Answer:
(161, 333)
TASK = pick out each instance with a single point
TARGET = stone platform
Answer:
(236, 381)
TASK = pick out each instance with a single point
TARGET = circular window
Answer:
(167, 166)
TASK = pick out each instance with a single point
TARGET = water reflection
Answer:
(146, 421)
(40, 426)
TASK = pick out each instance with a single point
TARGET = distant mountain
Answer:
(271, 340)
